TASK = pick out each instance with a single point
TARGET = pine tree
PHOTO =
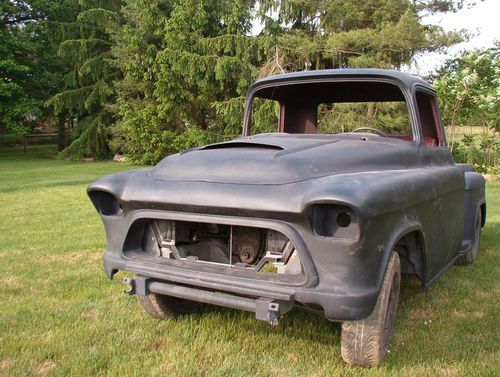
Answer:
(344, 33)
(187, 66)
(89, 93)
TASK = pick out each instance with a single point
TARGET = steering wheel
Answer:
(374, 130)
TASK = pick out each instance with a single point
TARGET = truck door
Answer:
(445, 228)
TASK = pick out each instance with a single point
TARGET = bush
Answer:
(482, 151)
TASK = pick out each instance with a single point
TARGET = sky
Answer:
(482, 20)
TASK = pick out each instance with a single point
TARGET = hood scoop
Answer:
(239, 144)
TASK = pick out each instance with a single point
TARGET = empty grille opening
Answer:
(259, 249)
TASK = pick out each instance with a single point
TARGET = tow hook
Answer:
(271, 310)
(137, 286)
(130, 283)
(273, 314)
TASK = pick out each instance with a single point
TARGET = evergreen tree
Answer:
(89, 93)
(187, 66)
(343, 33)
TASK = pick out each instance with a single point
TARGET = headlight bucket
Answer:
(334, 221)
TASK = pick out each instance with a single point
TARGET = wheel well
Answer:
(410, 248)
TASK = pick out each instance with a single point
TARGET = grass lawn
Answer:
(60, 316)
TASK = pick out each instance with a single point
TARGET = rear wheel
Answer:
(470, 256)
(365, 342)
(162, 307)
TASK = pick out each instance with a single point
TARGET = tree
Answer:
(469, 89)
(16, 67)
(187, 66)
(30, 70)
(88, 93)
(469, 92)
(344, 33)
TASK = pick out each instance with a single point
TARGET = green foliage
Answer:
(29, 68)
(469, 89)
(187, 66)
(16, 105)
(482, 151)
(152, 78)
(91, 135)
(391, 117)
(89, 90)
(265, 115)
(469, 92)
(345, 33)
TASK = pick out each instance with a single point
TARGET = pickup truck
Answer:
(341, 182)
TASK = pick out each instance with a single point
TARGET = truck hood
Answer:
(282, 158)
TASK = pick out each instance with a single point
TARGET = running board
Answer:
(265, 309)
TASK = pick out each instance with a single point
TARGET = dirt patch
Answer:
(92, 314)
(489, 294)
(4, 364)
(461, 314)
(450, 370)
(46, 367)
(10, 282)
(65, 257)
(92, 259)
(426, 314)
(74, 257)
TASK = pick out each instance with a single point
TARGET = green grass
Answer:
(59, 315)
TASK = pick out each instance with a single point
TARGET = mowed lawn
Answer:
(60, 315)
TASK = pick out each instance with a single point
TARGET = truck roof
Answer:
(404, 78)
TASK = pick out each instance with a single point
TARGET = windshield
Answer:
(331, 107)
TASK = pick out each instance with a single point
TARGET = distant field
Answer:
(60, 316)
(459, 132)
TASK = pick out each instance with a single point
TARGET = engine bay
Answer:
(263, 250)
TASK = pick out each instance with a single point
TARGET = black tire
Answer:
(470, 256)
(162, 307)
(365, 342)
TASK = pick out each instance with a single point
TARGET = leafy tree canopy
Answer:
(152, 78)
(29, 70)
(469, 89)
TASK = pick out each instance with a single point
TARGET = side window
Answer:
(429, 120)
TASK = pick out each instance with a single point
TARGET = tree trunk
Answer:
(61, 133)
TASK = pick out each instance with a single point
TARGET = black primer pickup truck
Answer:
(341, 182)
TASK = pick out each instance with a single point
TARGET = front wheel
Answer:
(162, 307)
(365, 342)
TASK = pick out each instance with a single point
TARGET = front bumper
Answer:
(334, 304)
